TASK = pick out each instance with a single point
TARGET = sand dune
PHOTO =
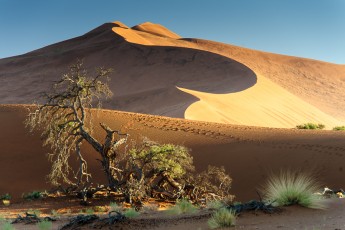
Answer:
(249, 154)
(150, 61)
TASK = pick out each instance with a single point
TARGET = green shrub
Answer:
(339, 128)
(293, 188)
(5, 197)
(44, 225)
(222, 218)
(131, 213)
(310, 126)
(33, 195)
(181, 207)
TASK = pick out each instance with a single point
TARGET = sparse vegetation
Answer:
(311, 126)
(5, 197)
(182, 206)
(7, 226)
(89, 211)
(34, 195)
(114, 207)
(339, 128)
(215, 204)
(131, 213)
(222, 218)
(293, 188)
(44, 225)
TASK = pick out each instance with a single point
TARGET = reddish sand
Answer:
(249, 154)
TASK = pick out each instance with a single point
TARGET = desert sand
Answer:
(158, 72)
(231, 106)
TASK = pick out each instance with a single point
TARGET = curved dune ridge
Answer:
(249, 154)
(158, 72)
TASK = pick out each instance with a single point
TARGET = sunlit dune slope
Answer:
(158, 72)
(249, 154)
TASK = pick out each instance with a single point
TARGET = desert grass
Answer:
(310, 126)
(215, 204)
(339, 128)
(131, 213)
(222, 218)
(7, 226)
(44, 225)
(182, 206)
(290, 188)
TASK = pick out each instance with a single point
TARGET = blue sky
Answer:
(306, 28)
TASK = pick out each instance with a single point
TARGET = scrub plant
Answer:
(289, 188)
(222, 218)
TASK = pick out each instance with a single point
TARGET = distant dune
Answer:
(158, 72)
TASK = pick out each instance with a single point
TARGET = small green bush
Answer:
(131, 213)
(5, 197)
(181, 207)
(222, 218)
(310, 126)
(44, 225)
(339, 128)
(293, 188)
(35, 195)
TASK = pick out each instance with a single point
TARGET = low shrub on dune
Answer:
(310, 126)
(290, 188)
(339, 128)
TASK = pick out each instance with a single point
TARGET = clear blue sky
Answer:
(306, 28)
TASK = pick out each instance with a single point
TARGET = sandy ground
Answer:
(249, 154)
(294, 217)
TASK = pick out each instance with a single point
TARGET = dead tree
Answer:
(65, 121)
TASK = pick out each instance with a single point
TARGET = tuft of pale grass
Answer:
(181, 207)
(115, 207)
(214, 204)
(222, 218)
(44, 225)
(7, 226)
(290, 188)
(131, 213)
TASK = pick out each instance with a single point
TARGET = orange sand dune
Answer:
(249, 154)
(158, 72)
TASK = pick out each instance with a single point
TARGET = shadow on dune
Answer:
(144, 78)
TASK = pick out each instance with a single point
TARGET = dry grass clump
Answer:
(222, 218)
(290, 188)
(183, 206)
(131, 213)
